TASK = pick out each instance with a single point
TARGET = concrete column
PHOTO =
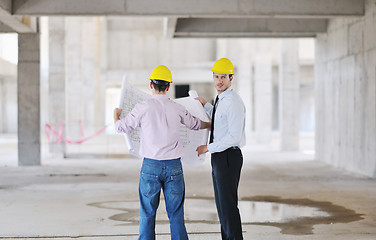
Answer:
(8, 104)
(74, 75)
(84, 102)
(93, 99)
(263, 99)
(103, 63)
(243, 78)
(29, 143)
(56, 78)
(240, 53)
(2, 104)
(289, 95)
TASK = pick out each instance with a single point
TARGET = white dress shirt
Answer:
(229, 121)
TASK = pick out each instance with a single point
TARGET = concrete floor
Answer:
(92, 198)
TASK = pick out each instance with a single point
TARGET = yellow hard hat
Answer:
(223, 66)
(161, 73)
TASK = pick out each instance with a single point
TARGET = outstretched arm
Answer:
(207, 106)
(202, 100)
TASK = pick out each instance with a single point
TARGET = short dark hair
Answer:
(229, 75)
(160, 85)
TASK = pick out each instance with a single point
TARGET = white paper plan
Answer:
(190, 139)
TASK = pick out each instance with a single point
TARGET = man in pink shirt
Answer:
(159, 119)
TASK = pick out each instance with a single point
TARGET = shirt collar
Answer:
(225, 93)
(160, 96)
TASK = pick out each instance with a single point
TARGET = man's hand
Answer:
(117, 112)
(202, 149)
(205, 125)
(202, 100)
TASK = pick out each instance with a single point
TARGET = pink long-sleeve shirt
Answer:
(159, 119)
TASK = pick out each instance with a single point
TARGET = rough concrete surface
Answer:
(345, 93)
(97, 198)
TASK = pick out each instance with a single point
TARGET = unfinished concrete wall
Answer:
(8, 95)
(8, 105)
(289, 95)
(56, 78)
(346, 93)
(2, 105)
(83, 99)
(136, 45)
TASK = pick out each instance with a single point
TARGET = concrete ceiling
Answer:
(192, 8)
(197, 18)
(10, 23)
(249, 27)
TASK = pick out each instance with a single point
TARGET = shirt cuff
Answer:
(210, 147)
(118, 126)
(199, 124)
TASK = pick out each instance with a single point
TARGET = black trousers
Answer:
(226, 168)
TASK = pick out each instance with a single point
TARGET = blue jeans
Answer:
(167, 175)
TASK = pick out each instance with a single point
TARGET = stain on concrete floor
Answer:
(292, 216)
(303, 225)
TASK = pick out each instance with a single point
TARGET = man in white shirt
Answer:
(226, 137)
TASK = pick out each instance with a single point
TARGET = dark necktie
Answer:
(212, 124)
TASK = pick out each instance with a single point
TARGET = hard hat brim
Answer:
(159, 82)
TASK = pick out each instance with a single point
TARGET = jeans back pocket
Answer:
(177, 182)
(149, 184)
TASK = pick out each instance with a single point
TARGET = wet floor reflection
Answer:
(251, 211)
(292, 216)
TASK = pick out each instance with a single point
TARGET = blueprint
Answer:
(189, 139)
(129, 97)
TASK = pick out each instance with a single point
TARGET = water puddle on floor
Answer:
(292, 216)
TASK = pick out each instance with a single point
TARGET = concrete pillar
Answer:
(243, 78)
(2, 104)
(8, 104)
(289, 95)
(93, 105)
(29, 143)
(84, 104)
(103, 33)
(263, 99)
(240, 53)
(74, 84)
(56, 79)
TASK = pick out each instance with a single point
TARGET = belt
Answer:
(234, 147)
(228, 149)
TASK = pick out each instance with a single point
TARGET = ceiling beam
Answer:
(6, 5)
(219, 27)
(245, 35)
(5, 28)
(9, 23)
(198, 8)
(169, 26)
